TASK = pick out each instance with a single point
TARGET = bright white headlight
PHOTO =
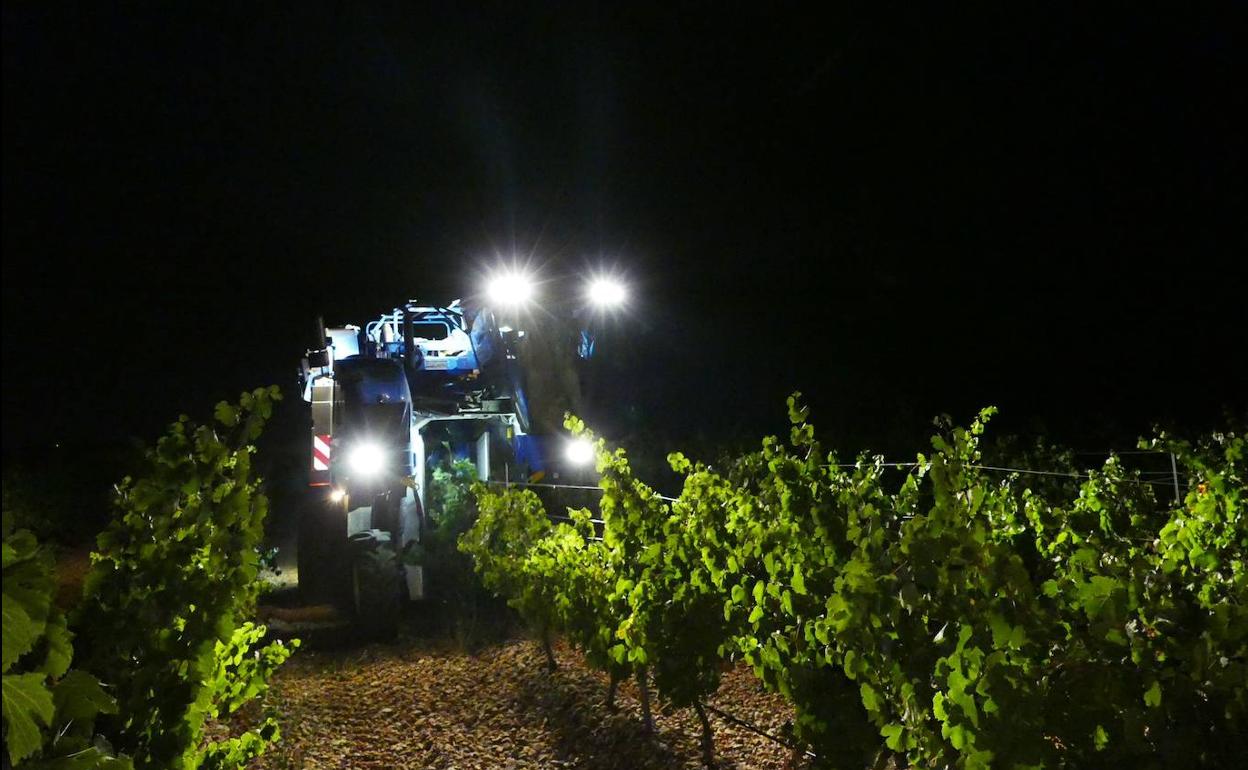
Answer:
(579, 451)
(366, 459)
(510, 289)
(607, 293)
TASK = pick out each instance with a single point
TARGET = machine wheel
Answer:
(375, 584)
(319, 549)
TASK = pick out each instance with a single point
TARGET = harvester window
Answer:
(371, 381)
(430, 330)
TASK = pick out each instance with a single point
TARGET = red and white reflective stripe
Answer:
(320, 453)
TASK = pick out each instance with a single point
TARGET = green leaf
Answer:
(964, 635)
(79, 696)
(60, 648)
(870, 699)
(27, 705)
(956, 734)
(821, 633)
(797, 412)
(226, 414)
(799, 582)
(963, 698)
(1100, 738)
(1003, 634)
(19, 632)
(1152, 696)
(848, 664)
(894, 736)
(9, 553)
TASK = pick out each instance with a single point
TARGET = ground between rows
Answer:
(415, 704)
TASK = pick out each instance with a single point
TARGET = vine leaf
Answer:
(799, 582)
(27, 704)
(19, 631)
(60, 648)
(78, 695)
(226, 414)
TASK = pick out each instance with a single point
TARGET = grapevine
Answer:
(942, 614)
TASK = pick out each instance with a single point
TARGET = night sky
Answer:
(900, 212)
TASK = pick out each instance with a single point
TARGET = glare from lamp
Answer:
(579, 451)
(511, 288)
(366, 459)
(607, 293)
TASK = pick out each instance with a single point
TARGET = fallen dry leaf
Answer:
(418, 705)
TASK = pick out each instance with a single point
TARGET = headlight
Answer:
(512, 289)
(579, 451)
(366, 460)
(606, 293)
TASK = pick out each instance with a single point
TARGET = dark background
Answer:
(900, 212)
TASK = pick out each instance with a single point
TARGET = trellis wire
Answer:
(757, 730)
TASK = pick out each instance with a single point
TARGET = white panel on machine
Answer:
(346, 341)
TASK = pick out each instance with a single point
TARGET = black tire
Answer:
(319, 551)
(375, 584)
